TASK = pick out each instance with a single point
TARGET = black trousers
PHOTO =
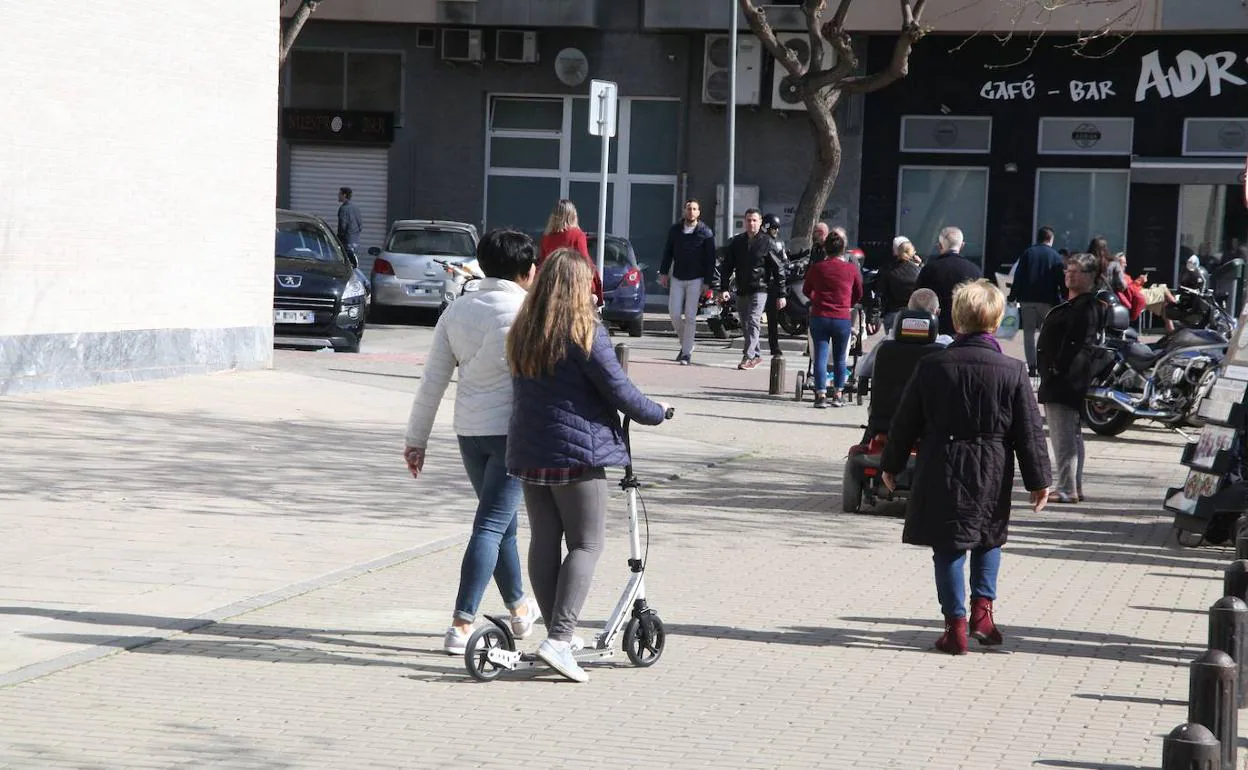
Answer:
(773, 326)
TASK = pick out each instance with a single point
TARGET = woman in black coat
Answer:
(969, 410)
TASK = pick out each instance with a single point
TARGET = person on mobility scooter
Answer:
(914, 336)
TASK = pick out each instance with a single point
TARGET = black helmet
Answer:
(771, 222)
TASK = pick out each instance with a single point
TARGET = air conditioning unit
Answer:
(516, 46)
(782, 98)
(461, 45)
(717, 80)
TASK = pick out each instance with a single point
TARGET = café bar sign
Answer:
(340, 126)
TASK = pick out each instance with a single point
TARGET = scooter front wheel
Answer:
(476, 653)
(644, 639)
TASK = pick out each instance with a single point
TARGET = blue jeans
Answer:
(492, 547)
(951, 579)
(835, 331)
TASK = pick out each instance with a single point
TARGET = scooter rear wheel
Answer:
(644, 639)
(476, 653)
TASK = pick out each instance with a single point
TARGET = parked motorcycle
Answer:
(721, 317)
(1164, 381)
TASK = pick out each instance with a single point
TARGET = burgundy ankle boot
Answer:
(954, 639)
(983, 628)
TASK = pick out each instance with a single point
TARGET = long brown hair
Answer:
(1099, 248)
(562, 218)
(558, 311)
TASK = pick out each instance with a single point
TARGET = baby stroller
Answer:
(806, 380)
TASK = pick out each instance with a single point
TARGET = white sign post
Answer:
(604, 97)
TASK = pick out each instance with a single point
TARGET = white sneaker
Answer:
(522, 625)
(455, 643)
(558, 655)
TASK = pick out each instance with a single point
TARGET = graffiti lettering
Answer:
(1000, 90)
(1190, 71)
(1091, 90)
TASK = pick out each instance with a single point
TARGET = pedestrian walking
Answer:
(947, 270)
(563, 231)
(568, 388)
(970, 411)
(772, 310)
(689, 258)
(1068, 363)
(897, 281)
(469, 336)
(834, 286)
(757, 261)
(1038, 286)
(350, 225)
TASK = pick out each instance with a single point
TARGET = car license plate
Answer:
(417, 291)
(294, 317)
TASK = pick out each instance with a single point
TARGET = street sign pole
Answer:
(603, 102)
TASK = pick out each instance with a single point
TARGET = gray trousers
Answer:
(576, 512)
(750, 307)
(682, 299)
(1066, 435)
(1033, 314)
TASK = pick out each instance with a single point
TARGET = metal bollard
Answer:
(621, 353)
(1241, 545)
(1235, 579)
(776, 385)
(1191, 747)
(1228, 632)
(1212, 700)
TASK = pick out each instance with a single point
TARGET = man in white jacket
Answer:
(470, 335)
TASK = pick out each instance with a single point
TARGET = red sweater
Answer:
(833, 286)
(572, 238)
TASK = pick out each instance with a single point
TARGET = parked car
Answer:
(417, 266)
(623, 287)
(318, 301)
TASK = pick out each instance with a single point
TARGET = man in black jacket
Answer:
(757, 260)
(689, 258)
(943, 273)
(1039, 285)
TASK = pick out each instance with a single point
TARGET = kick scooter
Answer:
(491, 650)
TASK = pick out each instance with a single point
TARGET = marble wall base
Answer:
(38, 362)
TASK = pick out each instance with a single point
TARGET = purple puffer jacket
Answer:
(569, 418)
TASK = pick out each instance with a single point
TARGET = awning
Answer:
(1187, 171)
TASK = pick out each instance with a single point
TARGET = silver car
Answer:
(416, 267)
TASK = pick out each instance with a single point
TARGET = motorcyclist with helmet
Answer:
(757, 259)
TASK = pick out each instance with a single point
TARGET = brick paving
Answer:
(799, 636)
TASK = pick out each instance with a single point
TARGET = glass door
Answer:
(1213, 225)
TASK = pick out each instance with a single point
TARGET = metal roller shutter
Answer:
(316, 173)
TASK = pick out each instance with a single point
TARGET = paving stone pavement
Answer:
(799, 637)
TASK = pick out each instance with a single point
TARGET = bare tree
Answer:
(292, 28)
(821, 88)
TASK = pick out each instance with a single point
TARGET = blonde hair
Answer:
(978, 306)
(562, 218)
(907, 253)
(558, 312)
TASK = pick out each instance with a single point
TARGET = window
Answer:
(527, 115)
(616, 254)
(443, 243)
(931, 198)
(369, 81)
(1080, 205)
(933, 133)
(304, 240)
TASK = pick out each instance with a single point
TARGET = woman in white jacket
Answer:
(470, 335)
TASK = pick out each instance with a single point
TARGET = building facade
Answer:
(489, 124)
(1142, 140)
(136, 216)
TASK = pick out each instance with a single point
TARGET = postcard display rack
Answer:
(1215, 484)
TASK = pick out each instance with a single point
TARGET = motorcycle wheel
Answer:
(794, 327)
(717, 328)
(1106, 420)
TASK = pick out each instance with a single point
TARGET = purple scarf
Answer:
(982, 337)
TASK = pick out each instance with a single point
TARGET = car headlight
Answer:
(355, 288)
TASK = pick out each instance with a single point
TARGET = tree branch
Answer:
(293, 28)
(899, 66)
(813, 10)
(784, 55)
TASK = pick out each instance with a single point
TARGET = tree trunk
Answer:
(823, 174)
(293, 28)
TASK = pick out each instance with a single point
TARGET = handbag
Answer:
(1010, 322)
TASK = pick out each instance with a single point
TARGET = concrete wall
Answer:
(1210, 15)
(136, 210)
